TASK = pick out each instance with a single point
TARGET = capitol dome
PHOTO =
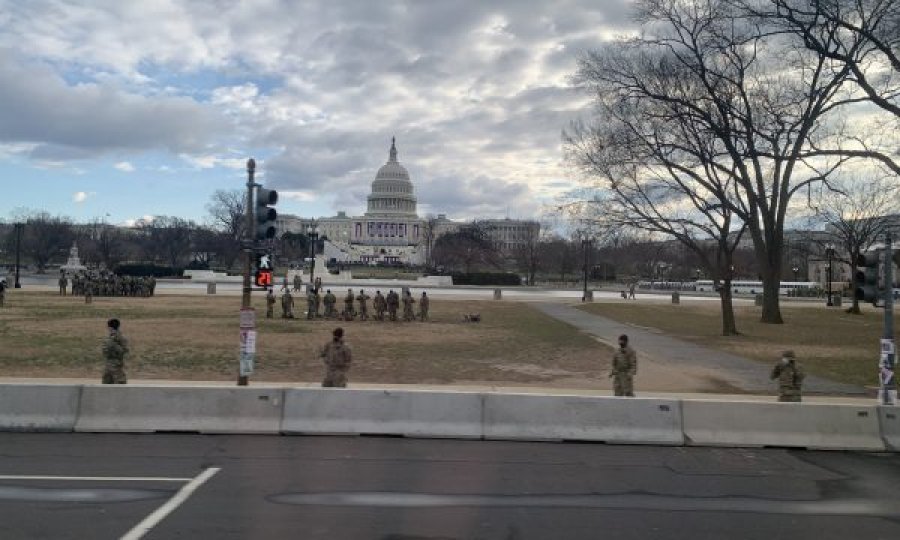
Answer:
(392, 190)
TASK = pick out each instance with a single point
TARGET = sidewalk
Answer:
(742, 373)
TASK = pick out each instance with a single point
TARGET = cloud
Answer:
(71, 122)
(124, 166)
(80, 196)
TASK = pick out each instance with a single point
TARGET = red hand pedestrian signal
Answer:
(264, 278)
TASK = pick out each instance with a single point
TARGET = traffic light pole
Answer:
(888, 352)
(243, 380)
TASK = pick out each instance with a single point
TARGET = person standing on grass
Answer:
(114, 350)
(2, 291)
(63, 282)
(337, 357)
(624, 368)
(423, 307)
(270, 303)
(790, 378)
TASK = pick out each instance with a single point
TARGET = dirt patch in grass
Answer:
(828, 341)
(196, 338)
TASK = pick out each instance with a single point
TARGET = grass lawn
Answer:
(196, 338)
(828, 342)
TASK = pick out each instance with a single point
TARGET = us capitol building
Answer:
(391, 230)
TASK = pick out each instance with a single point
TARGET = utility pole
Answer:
(248, 322)
(18, 227)
(888, 352)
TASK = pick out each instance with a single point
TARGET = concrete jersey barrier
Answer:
(582, 418)
(806, 425)
(201, 409)
(889, 421)
(382, 412)
(38, 407)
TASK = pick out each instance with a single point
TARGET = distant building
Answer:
(391, 229)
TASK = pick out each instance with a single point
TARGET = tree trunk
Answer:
(729, 326)
(771, 309)
(854, 307)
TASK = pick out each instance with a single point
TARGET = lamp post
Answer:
(312, 234)
(586, 246)
(829, 252)
(18, 227)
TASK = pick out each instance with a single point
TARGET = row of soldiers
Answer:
(355, 306)
(105, 283)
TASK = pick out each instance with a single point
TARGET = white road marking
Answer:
(142, 528)
(96, 478)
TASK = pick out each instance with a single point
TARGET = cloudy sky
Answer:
(117, 110)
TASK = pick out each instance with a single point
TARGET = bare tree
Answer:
(168, 238)
(856, 214)
(46, 237)
(226, 211)
(467, 248)
(529, 254)
(747, 104)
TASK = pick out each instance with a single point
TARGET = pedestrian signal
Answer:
(263, 277)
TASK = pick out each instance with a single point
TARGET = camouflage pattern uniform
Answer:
(330, 301)
(270, 304)
(310, 305)
(337, 357)
(423, 307)
(63, 283)
(287, 305)
(393, 302)
(114, 350)
(363, 300)
(348, 305)
(2, 292)
(790, 378)
(624, 368)
(408, 301)
(317, 303)
(380, 305)
(298, 282)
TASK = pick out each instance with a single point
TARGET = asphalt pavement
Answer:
(228, 487)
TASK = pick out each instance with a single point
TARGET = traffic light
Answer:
(265, 214)
(262, 276)
(865, 281)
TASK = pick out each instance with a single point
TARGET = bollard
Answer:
(498, 294)
(210, 288)
(676, 298)
(836, 299)
(758, 300)
(588, 296)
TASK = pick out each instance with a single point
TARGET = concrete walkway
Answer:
(742, 373)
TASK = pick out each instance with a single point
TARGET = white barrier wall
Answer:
(808, 425)
(889, 421)
(383, 412)
(608, 419)
(38, 407)
(202, 409)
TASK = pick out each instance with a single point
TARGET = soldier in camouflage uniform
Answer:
(114, 350)
(63, 283)
(408, 301)
(790, 378)
(423, 307)
(348, 306)
(310, 304)
(298, 282)
(380, 305)
(624, 368)
(330, 301)
(2, 292)
(337, 357)
(318, 303)
(363, 300)
(393, 302)
(270, 303)
(287, 305)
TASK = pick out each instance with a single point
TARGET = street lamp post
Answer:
(18, 227)
(586, 245)
(829, 252)
(312, 234)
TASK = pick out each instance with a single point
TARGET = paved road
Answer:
(743, 373)
(401, 489)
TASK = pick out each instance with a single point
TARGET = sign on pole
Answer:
(248, 318)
